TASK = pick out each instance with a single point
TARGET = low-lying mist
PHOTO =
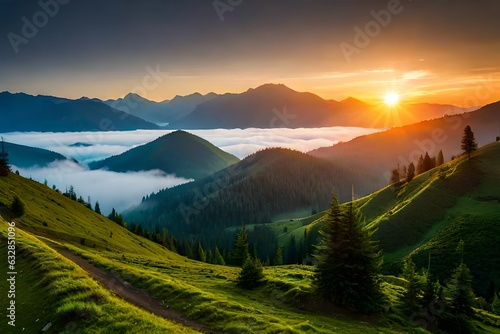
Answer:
(111, 189)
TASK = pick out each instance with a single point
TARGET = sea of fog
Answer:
(123, 190)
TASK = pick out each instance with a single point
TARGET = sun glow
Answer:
(391, 99)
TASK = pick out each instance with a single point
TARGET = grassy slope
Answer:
(51, 289)
(179, 153)
(457, 201)
(25, 156)
(204, 292)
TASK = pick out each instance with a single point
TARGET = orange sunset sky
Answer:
(427, 51)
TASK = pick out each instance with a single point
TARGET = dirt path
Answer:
(130, 293)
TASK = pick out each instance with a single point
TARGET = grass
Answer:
(51, 289)
(208, 293)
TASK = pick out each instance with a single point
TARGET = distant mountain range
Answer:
(22, 112)
(377, 154)
(273, 106)
(179, 153)
(25, 156)
(267, 106)
(160, 112)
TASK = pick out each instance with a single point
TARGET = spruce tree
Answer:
(460, 290)
(278, 258)
(469, 144)
(411, 295)
(201, 253)
(394, 176)
(411, 172)
(18, 207)
(420, 165)
(240, 251)
(4, 162)
(440, 158)
(495, 305)
(251, 274)
(428, 163)
(97, 208)
(218, 258)
(348, 262)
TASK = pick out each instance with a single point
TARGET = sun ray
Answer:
(391, 99)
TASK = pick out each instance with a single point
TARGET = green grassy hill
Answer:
(179, 153)
(25, 156)
(457, 201)
(53, 289)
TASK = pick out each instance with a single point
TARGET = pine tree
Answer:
(420, 165)
(469, 144)
(4, 162)
(348, 262)
(411, 295)
(411, 172)
(278, 258)
(495, 305)
(440, 158)
(460, 290)
(251, 274)
(218, 258)
(394, 176)
(428, 164)
(201, 253)
(97, 208)
(17, 207)
(210, 256)
(240, 251)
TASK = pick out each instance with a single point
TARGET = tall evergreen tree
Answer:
(218, 258)
(469, 144)
(440, 158)
(428, 163)
(411, 172)
(97, 208)
(17, 207)
(411, 295)
(278, 258)
(348, 262)
(460, 290)
(495, 305)
(4, 162)
(201, 253)
(394, 176)
(240, 251)
(420, 165)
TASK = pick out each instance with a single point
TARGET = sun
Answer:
(391, 99)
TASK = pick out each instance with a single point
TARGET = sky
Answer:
(442, 51)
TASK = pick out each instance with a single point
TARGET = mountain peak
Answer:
(135, 97)
(353, 101)
(272, 87)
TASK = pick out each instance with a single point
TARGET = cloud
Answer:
(123, 190)
(111, 189)
(240, 142)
